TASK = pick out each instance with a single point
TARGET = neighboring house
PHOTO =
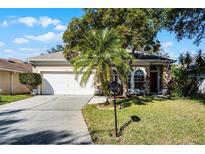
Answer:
(58, 77)
(200, 61)
(9, 76)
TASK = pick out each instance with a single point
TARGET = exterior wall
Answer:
(5, 82)
(143, 65)
(164, 75)
(18, 88)
(9, 83)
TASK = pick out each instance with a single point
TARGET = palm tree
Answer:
(187, 59)
(181, 59)
(101, 53)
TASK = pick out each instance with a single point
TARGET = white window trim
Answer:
(132, 73)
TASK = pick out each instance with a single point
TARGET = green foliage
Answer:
(184, 83)
(56, 49)
(137, 28)
(185, 79)
(185, 59)
(101, 51)
(186, 23)
(181, 59)
(31, 80)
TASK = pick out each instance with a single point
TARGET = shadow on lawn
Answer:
(134, 118)
(141, 100)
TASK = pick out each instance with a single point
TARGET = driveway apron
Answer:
(53, 119)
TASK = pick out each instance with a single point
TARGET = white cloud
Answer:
(5, 23)
(9, 51)
(20, 40)
(28, 21)
(167, 44)
(2, 44)
(29, 49)
(45, 21)
(60, 27)
(48, 37)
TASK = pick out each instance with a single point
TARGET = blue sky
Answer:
(29, 32)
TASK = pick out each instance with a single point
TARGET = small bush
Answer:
(31, 80)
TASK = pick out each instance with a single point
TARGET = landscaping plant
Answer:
(31, 80)
(102, 51)
(185, 79)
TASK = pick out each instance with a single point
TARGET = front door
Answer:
(153, 81)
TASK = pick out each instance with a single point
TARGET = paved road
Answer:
(54, 119)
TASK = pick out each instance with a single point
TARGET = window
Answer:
(129, 81)
(139, 79)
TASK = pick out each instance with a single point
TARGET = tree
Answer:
(187, 59)
(137, 28)
(31, 80)
(186, 23)
(184, 78)
(101, 53)
(199, 59)
(56, 49)
(181, 59)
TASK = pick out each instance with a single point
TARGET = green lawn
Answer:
(12, 98)
(156, 121)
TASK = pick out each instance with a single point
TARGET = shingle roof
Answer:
(147, 56)
(60, 56)
(14, 65)
(52, 56)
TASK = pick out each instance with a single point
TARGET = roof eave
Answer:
(11, 70)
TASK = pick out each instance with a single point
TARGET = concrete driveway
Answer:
(54, 119)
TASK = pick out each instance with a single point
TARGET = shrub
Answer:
(31, 80)
(184, 82)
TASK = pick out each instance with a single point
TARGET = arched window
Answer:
(139, 79)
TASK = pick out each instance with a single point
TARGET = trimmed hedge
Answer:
(31, 80)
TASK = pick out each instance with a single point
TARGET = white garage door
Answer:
(65, 83)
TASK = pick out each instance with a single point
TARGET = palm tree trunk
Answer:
(124, 86)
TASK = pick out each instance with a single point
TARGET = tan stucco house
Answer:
(148, 75)
(9, 76)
